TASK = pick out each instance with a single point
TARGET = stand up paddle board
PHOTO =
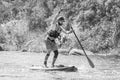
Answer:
(56, 68)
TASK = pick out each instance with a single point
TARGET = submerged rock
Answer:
(80, 52)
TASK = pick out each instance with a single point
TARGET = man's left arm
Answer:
(67, 32)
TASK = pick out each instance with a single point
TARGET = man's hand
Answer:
(60, 45)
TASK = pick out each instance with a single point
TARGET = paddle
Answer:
(89, 61)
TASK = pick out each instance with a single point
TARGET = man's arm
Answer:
(55, 19)
(67, 32)
(60, 42)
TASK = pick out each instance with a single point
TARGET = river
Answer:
(14, 66)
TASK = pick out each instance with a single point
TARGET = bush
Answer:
(92, 20)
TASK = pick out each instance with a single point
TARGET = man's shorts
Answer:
(51, 45)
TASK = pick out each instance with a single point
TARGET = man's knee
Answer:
(55, 53)
(47, 54)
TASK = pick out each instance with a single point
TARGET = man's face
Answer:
(61, 22)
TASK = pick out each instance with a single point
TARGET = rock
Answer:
(1, 49)
(79, 52)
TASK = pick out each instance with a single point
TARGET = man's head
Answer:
(61, 20)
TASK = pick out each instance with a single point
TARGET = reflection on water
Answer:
(106, 68)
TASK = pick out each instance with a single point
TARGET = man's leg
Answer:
(55, 57)
(46, 58)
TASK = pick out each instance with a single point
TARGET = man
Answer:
(50, 40)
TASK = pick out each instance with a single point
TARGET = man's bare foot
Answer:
(45, 63)
(53, 66)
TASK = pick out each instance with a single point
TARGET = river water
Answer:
(13, 67)
(106, 68)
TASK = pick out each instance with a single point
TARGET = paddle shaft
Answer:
(90, 62)
(79, 42)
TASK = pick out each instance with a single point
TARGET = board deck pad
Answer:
(56, 68)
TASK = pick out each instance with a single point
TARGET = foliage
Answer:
(94, 21)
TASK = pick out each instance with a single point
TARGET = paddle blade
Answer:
(90, 62)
